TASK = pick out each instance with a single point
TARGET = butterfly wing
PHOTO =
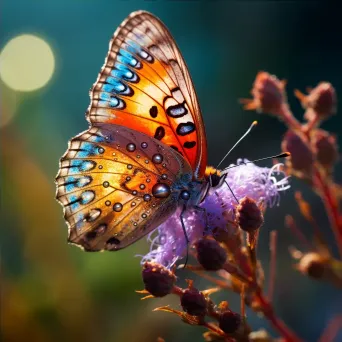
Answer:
(105, 184)
(145, 85)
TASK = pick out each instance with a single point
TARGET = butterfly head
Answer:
(214, 176)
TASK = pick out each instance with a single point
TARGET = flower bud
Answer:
(301, 155)
(325, 147)
(248, 215)
(268, 94)
(158, 280)
(210, 254)
(229, 321)
(194, 302)
(313, 264)
(321, 101)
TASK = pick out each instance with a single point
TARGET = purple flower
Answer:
(262, 184)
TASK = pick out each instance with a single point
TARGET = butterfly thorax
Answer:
(189, 192)
(192, 192)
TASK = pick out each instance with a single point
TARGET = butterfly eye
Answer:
(185, 195)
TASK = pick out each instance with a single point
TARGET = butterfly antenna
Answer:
(245, 134)
(278, 156)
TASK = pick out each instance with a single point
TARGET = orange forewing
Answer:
(145, 85)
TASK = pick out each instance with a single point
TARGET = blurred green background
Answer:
(55, 292)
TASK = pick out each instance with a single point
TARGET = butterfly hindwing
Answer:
(145, 85)
(105, 185)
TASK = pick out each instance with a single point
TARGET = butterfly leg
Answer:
(185, 234)
(204, 212)
(230, 189)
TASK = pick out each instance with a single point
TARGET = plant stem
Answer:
(277, 323)
(287, 117)
(273, 264)
(326, 193)
(332, 329)
(331, 207)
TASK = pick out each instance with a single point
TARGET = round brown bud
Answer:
(210, 254)
(248, 215)
(194, 302)
(325, 147)
(313, 264)
(301, 155)
(158, 280)
(268, 94)
(321, 101)
(229, 321)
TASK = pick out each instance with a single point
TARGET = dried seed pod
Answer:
(301, 156)
(268, 94)
(229, 321)
(210, 254)
(320, 102)
(325, 147)
(313, 265)
(158, 280)
(194, 302)
(248, 215)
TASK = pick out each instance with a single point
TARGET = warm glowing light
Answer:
(26, 63)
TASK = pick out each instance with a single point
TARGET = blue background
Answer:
(52, 291)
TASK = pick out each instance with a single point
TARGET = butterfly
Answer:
(144, 155)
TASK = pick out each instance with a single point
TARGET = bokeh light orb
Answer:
(26, 63)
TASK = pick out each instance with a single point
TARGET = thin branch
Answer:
(243, 301)
(277, 323)
(291, 224)
(332, 329)
(288, 118)
(273, 261)
(331, 207)
(214, 328)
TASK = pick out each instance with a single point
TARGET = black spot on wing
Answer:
(113, 241)
(146, 56)
(160, 133)
(79, 165)
(185, 128)
(154, 112)
(177, 111)
(91, 235)
(174, 90)
(189, 144)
